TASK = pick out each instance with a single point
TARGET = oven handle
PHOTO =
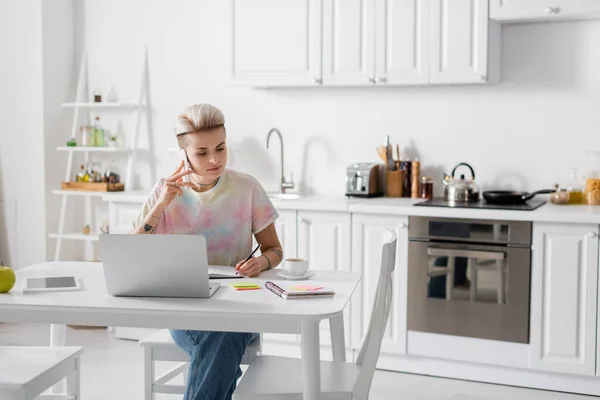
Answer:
(483, 255)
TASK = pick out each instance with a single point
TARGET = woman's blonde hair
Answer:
(197, 118)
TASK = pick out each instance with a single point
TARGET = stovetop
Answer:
(528, 206)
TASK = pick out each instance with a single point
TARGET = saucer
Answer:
(307, 275)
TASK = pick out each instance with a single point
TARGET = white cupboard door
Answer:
(286, 228)
(543, 10)
(402, 42)
(348, 42)
(276, 42)
(458, 41)
(368, 236)
(564, 298)
(324, 240)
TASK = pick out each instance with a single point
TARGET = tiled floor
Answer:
(112, 369)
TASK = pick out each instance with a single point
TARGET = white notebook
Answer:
(222, 272)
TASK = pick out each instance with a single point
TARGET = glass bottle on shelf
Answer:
(81, 175)
(87, 135)
(98, 133)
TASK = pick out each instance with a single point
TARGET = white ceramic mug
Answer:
(295, 266)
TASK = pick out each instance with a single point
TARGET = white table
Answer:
(228, 310)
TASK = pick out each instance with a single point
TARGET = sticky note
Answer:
(245, 286)
(307, 288)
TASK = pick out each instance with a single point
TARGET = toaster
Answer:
(364, 180)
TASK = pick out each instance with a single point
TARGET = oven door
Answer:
(470, 290)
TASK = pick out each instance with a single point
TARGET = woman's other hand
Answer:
(251, 268)
(173, 186)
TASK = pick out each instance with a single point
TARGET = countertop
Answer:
(404, 206)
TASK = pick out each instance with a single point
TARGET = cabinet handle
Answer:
(481, 78)
(592, 235)
(370, 80)
(381, 80)
(317, 81)
(552, 10)
(403, 225)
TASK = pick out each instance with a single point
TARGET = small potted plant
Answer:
(113, 141)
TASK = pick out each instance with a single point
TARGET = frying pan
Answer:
(510, 197)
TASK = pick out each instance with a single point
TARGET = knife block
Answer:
(394, 183)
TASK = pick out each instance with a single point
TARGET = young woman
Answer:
(227, 207)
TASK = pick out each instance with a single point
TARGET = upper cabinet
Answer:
(401, 42)
(543, 10)
(276, 42)
(460, 49)
(348, 42)
(359, 42)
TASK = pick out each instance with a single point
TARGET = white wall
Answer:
(21, 133)
(526, 133)
(60, 68)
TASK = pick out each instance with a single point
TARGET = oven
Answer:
(469, 278)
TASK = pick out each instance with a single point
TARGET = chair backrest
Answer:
(369, 352)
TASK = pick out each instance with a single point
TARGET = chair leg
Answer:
(74, 381)
(148, 373)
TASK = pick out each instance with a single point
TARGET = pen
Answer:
(249, 257)
(251, 254)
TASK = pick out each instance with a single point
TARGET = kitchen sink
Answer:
(284, 196)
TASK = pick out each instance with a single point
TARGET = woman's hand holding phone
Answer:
(173, 186)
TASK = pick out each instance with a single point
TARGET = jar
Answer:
(427, 187)
(592, 191)
(560, 197)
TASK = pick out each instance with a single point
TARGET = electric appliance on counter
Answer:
(364, 180)
(469, 278)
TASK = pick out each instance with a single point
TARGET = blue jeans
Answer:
(215, 359)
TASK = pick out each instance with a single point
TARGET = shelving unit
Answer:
(82, 149)
(81, 105)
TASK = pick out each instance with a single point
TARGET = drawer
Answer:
(543, 10)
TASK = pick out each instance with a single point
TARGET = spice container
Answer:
(97, 96)
(427, 187)
(560, 197)
(415, 179)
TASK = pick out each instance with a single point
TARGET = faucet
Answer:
(284, 184)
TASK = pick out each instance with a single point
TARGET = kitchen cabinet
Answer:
(464, 46)
(543, 10)
(564, 298)
(324, 239)
(369, 232)
(348, 42)
(372, 42)
(401, 42)
(363, 42)
(276, 42)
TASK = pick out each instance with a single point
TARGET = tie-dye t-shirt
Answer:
(227, 215)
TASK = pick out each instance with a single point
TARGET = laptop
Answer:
(159, 266)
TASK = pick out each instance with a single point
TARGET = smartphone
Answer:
(186, 164)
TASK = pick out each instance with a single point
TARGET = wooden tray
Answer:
(93, 186)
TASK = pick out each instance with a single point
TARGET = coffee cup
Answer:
(295, 266)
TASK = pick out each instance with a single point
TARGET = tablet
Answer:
(52, 284)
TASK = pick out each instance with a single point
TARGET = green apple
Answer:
(7, 278)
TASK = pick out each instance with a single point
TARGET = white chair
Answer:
(160, 347)
(281, 377)
(26, 372)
